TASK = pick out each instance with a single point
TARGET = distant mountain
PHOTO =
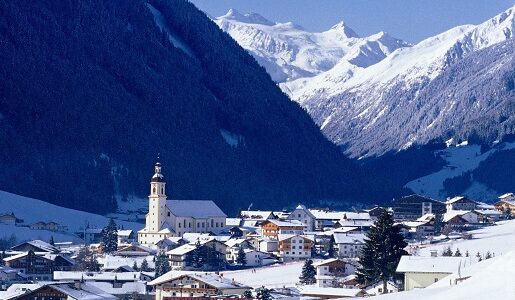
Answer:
(290, 52)
(92, 91)
(378, 94)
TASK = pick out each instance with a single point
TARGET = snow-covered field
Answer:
(276, 276)
(499, 239)
(33, 210)
(459, 160)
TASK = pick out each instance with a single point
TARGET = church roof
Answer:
(194, 208)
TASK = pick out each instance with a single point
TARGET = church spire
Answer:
(158, 176)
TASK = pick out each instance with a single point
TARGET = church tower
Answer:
(156, 201)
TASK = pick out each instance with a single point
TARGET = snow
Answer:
(194, 208)
(439, 264)
(459, 160)
(276, 276)
(31, 211)
(160, 21)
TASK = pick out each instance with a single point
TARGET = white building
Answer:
(348, 245)
(295, 247)
(167, 218)
(303, 215)
(331, 272)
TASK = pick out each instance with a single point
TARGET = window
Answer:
(212, 223)
(179, 225)
(380, 290)
(168, 213)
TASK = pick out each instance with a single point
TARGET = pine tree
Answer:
(109, 241)
(467, 254)
(86, 260)
(457, 253)
(242, 257)
(263, 294)
(438, 224)
(197, 256)
(478, 255)
(308, 273)
(488, 255)
(135, 266)
(330, 251)
(382, 251)
(144, 266)
(313, 251)
(162, 264)
(52, 240)
(447, 252)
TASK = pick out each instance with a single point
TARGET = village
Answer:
(192, 249)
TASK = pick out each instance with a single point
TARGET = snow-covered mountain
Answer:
(380, 94)
(290, 52)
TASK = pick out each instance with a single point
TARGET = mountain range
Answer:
(376, 94)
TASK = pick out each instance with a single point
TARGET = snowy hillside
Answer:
(31, 211)
(460, 159)
(290, 52)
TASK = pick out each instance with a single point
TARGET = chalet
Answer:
(55, 291)
(414, 206)
(460, 203)
(420, 272)
(331, 272)
(134, 249)
(273, 228)
(39, 266)
(327, 218)
(460, 217)
(256, 217)
(115, 283)
(35, 246)
(233, 246)
(348, 245)
(189, 284)
(295, 247)
(488, 215)
(92, 235)
(377, 288)
(170, 243)
(126, 236)
(506, 203)
(420, 229)
(303, 215)
(254, 258)
(8, 219)
(180, 257)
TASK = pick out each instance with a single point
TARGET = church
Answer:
(172, 218)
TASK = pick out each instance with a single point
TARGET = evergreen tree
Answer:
(330, 251)
(447, 252)
(478, 255)
(135, 266)
(247, 294)
(457, 253)
(488, 255)
(507, 213)
(263, 294)
(86, 260)
(242, 257)
(313, 251)
(52, 240)
(467, 254)
(308, 273)
(382, 251)
(438, 224)
(109, 241)
(197, 256)
(162, 264)
(144, 266)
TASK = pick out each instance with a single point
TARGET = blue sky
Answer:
(410, 20)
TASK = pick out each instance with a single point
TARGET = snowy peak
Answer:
(344, 30)
(251, 18)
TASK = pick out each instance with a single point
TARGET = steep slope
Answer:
(290, 52)
(419, 93)
(91, 91)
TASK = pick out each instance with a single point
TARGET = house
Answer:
(414, 206)
(92, 235)
(193, 285)
(331, 272)
(268, 245)
(420, 229)
(460, 217)
(233, 246)
(9, 276)
(126, 236)
(295, 247)
(170, 243)
(35, 246)
(348, 245)
(377, 288)
(115, 283)
(256, 217)
(254, 258)
(181, 257)
(460, 203)
(506, 203)
(327, 218)
(331, 293)
(488, 215)
(303, 215)
(420, 272)
(39, 266)
(271, 229)
(8, 219)
(134, 249)
(167, 218)
(55, 291)
(374, 212)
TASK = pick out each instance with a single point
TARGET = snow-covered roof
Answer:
(256, 214)
(124, 233)
(459, 198)
(429, 264)
(98, 276)
(329, 291)
(453, 213)
(426, 218)
(198, 209)
(181, 250)
(209, 278)
(44, 246)
(234, 242)
(231, 222)
(194, 236)
(87, 292)
(507, 196)
(326, 261)
(291, 223)
(282, 237)
(488, 212)
(344, 238)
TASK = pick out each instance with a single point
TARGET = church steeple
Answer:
(157, 183)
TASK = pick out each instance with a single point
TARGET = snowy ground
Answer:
(276, 276)
(32, 211)
(459, 160)
(497, 239)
